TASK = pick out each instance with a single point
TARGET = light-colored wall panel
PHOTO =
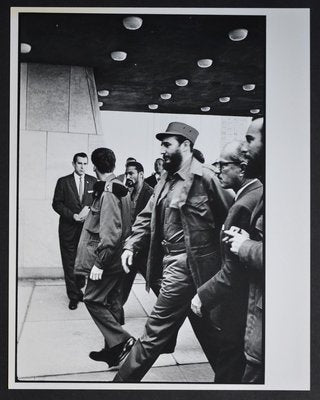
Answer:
(38, 244)
(48, 97)
(32, 164)
(233, 128)
(23, 94)
(60, 151)
(81, 118)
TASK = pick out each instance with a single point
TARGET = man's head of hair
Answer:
(103, 159)
(182, 139)
(254, 147)
(75, 157)
(197, 154)
(130, 159)
(136, 165)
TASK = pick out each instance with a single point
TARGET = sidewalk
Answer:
(54, 342)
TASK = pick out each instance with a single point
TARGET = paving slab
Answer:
(50, 303)
(188, 349)
(164, 374)
(24, 297)
(147, 300)
(57, 347)
(100, 376)
(133, 308)
(197, 373)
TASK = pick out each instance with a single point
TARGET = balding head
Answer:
(231, 166)
(233, 152)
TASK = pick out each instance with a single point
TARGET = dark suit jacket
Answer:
(144, 196)
(66, 201)
(151, 180)
(229, 287)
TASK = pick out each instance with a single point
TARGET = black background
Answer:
(315, 202)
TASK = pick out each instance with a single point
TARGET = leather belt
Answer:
(173, 248)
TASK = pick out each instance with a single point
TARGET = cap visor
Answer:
(162, 135)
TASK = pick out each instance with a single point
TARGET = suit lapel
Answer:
(253, 186)
(73, 186)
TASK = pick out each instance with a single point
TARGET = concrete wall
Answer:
(59, 116)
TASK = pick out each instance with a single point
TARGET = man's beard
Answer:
(129, 183)
(174, 163)
(255, 166)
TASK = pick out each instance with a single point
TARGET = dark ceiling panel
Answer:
(164, 49)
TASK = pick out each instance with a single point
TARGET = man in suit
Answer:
(181, 224)
(99, 258)
(248, 246)
(73, 193)
(229, 287)
(153, 179)
(140, 194)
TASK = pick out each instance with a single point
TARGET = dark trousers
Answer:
(230, 362)
(68, 249)
(254, 373)
(103, 299)
(171, 309)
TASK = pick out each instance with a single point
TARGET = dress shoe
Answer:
(126, 349)
(73, 304)
(101, 355)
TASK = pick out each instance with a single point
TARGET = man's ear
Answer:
(243, 167)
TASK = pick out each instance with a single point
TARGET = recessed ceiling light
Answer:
(103, 93)
(132, 23)
(25, 48)
(238, 34)
(100, 103)
(153, 106)
(118, 55)
(182, 82)
(255, 111)
(165, 96)
(248, 87)
(224, 99)
(204, 63)
(205, 109)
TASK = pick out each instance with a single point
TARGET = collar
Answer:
(243, 187)
(184, 170)
(77, 177)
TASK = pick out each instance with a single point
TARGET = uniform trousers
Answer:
(171, 309)
(68, 248)
(103, 299)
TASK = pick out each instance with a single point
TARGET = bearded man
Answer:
(180, 225)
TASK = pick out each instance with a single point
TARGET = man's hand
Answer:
(235, 237)
(77, 218)
(196, 305)
(126, 259)
(96, 273)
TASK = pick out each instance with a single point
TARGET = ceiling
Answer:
(165, 48)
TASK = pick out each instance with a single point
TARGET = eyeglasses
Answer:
(219, 165)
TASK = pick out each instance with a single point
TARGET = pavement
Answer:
(54, 342)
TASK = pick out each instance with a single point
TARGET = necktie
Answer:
(81, 188)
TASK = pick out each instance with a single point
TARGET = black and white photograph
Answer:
(150, 183)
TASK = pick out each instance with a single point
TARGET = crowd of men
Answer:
(198, 244)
